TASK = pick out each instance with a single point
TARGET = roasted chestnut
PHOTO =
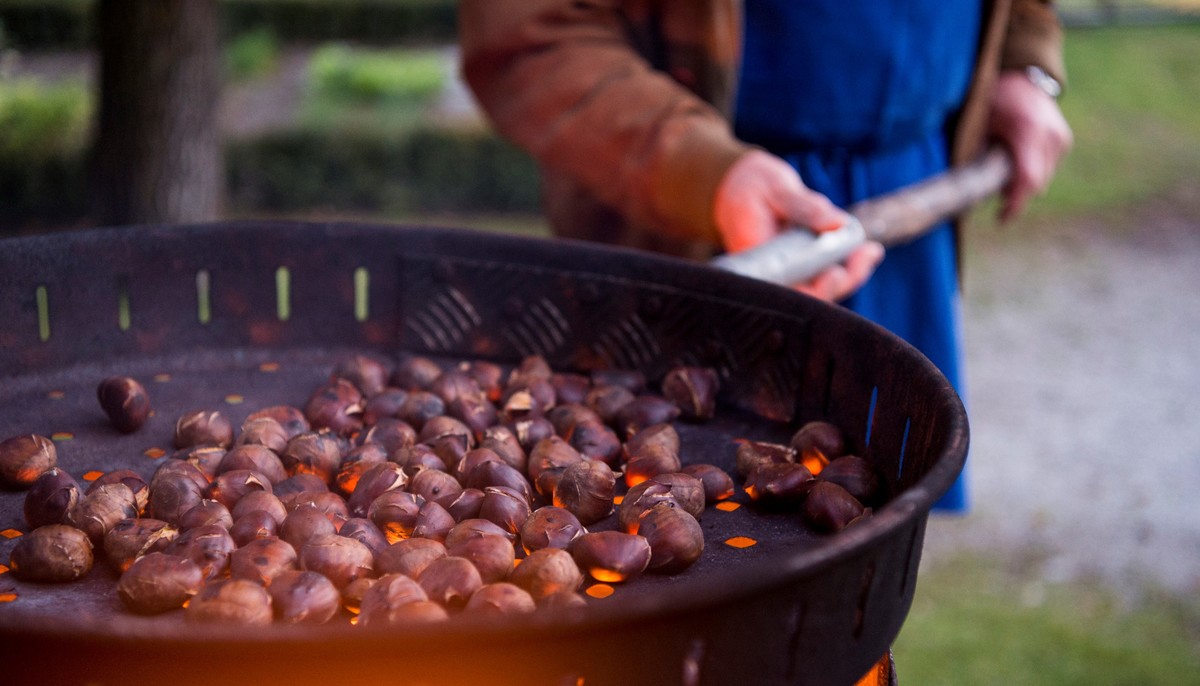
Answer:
(24, 458)
(505, 507)
(675, 537)
(830, 508)
(230, 487)
(607, 401)
(375, 481)
(857, 476)
(653, 459)
(52, 553)
(570, 388)
(717, 483)
(408, 557)
(204, 513)
(643, 411)
(304, 524)
(385, 602)
(566, 417)
(819, 442)
(174, 491)
(631, 380)
(500, 599)
(415, 372)
(355, 463)
(100, 510)
(449, 581)
(130, 539)
(693, 390)
(233, 601)
(203, 427)
(290, 418)
(393, 434)
(674, 490)
(498, 474)
(586, 489)
(395, 513)
(264, 431)
(159, 583)
(262, 559)
(419, 407)
(596, 441)
(492, 555)
(531, 431)
(135, 482)
(303, 597)
(435, 486)
(751, 454)
(547, 571)
(502, 441)
(466, 505)
(205, 458)
(611, 556)
(383, 405)
(125, 401)
(256, 458)
(433, 521)
(369, 376)
(775, 485)
(260, 501)
(364, 531)
(551, 453)
(208, 546)
(253, 525)
(550, 527)
(313, 453)
(337, 407)
(340, 559)
(50, 497)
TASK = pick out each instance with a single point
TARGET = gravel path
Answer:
(1084, 397)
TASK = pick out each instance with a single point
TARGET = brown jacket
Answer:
(625, 103)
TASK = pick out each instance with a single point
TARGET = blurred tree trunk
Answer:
(157, 155)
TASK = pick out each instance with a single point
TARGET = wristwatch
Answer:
(1047, 83)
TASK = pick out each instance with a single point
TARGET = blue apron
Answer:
(856, 97)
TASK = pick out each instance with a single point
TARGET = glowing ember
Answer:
(58, 436)
(599, 590)
(354, 620)
(268, 367)
(740, 542)
(154, 453)
(632, 480)
(617, 499)
(727, 506)
(56, 395)
(607, 575)
(3, 569)
(92, 475)
(162, 378)
(11, 533)
(815, 460)
(235, 399)
(8, 597)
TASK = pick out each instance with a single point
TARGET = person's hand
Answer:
(761, 194)
(1029, 123)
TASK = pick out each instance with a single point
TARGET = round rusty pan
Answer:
(240, 316)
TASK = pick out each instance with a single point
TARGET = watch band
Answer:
(1047, 83)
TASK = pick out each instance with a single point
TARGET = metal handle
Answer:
(795, 256)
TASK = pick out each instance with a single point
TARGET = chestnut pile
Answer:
(412, 494)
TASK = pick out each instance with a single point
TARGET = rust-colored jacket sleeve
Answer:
(563, 80)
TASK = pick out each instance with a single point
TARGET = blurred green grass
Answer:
(1131, 101)
(981, 622)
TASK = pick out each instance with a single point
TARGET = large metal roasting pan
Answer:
(244, 315)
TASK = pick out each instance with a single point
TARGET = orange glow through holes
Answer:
(11, 533)
(56, 395)
(727, 506)
(59, 436)
(162, 378)
(617, 499)
(268, 367)
(235, 399)
(740, 542)
(93, 475)
(154, 453)
(8, 596)
(3, 569)
(600, 590)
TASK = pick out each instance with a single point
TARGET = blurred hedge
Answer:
(424, 171)
(309, 170)
(67, 24)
